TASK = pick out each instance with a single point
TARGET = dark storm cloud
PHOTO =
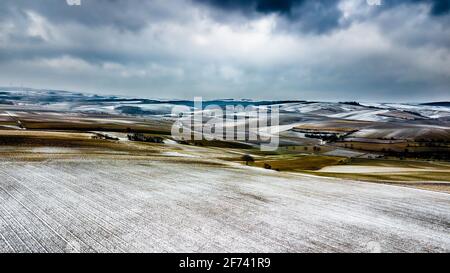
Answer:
(286, 7)
(318, 16)
(133, 15)
(305, 15)
(438, 7)
(441, 7)
(264, 6)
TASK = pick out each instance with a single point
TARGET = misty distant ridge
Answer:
(42, 95)
(439, 103)
(57, 100)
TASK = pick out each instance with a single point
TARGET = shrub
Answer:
(248, 159)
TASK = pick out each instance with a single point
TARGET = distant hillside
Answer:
(440, 103)
(295, 109)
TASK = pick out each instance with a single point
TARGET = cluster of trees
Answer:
(104, 136)
(144, 138)
(432, 155)
(433, 143)
(323, 136)
(354, 103)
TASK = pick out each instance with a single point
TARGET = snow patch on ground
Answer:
(177, 154)
(53, 150)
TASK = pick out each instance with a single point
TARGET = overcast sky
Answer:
(307, 49)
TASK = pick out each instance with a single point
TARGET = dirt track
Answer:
(133, 206)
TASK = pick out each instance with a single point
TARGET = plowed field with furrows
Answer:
(157, 206)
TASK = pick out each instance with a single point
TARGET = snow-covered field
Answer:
(132, 206)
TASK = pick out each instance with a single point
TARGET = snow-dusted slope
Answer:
(369, 111)
(142, 206)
